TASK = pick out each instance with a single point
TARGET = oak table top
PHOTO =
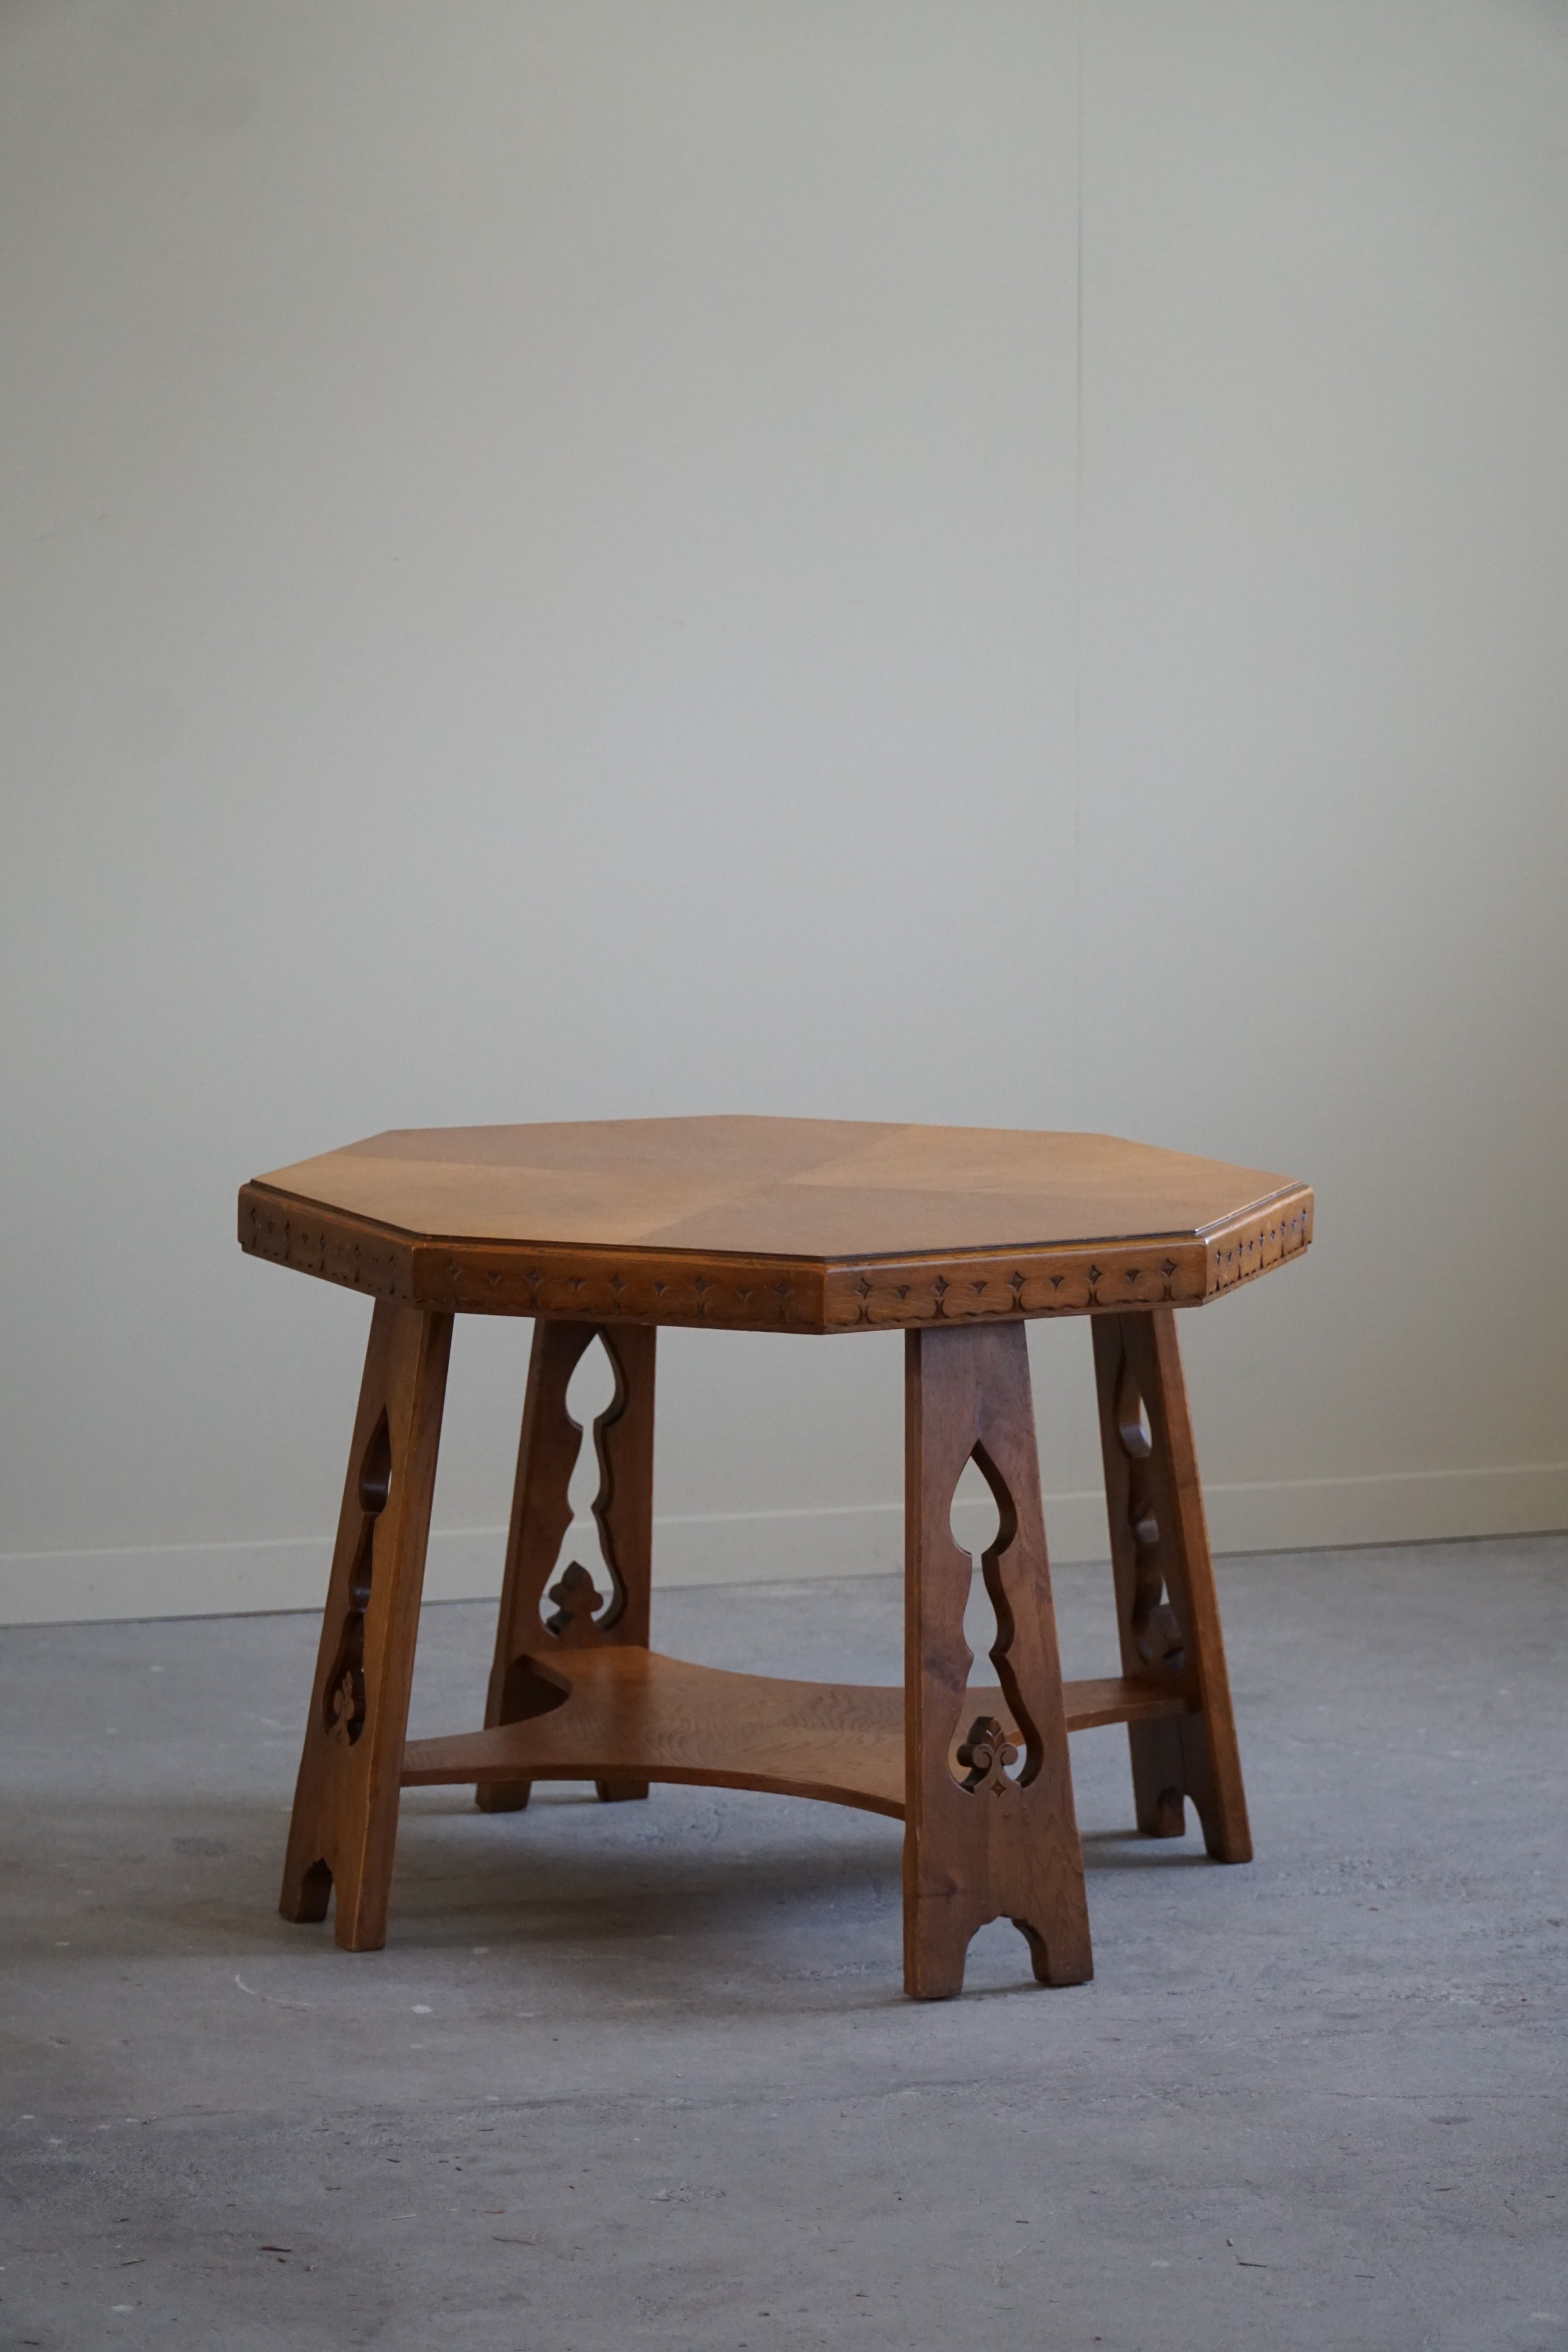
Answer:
(797, 1224)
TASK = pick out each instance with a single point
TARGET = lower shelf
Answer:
(631, 1714)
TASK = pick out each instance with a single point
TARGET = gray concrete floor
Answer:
(641, 2075)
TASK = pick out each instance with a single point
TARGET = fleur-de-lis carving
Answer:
(344, 1699)
(986, 1756)
(577, 1597)
(347, 1707)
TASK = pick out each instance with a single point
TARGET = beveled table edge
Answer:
(725, 1290)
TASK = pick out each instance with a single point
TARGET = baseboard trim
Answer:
(779, 1547)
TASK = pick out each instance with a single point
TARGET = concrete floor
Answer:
(641, 2075)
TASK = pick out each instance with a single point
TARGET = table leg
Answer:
(346, 1800)
(528, 1638)
(1166, 1607)
(979, 1843)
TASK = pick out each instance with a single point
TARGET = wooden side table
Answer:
(955, 1236)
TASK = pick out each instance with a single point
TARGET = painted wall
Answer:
(863, 557)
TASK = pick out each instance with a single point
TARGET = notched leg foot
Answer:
(1223, 1840)
(503, 1796)
(360, 1930)
(620, 1792)
(1059, 1959)
(934, 1952)
(1165, 1817)
(306, 1893)
(1172, 1769)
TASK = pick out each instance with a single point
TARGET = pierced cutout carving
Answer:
(992, 1757)
(586, 1600)
(1157, 1632)
(988, 1755)
(577, 1597)
(344, 1700)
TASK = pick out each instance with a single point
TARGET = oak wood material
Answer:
(773, 1224)
(986, 1845)
(1167, 1609)
(620, 1713)
(344, 1824)
(623, 1713)
(526, 1639)
(957, 1236)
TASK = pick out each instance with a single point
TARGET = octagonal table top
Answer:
(773, 1223)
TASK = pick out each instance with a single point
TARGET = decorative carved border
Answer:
(725, 1292)
(1254, 1245)
(601, 1285)
(1175, 1271)
(318, 1241)
(979, 1289)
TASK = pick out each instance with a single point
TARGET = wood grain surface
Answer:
(1166, 1607)
(772, 1224)
(614, 1714)
(528, 1630)
(986, 1844)
(605, 1231)
(344, 1824)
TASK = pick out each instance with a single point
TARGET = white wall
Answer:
(888, 558)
